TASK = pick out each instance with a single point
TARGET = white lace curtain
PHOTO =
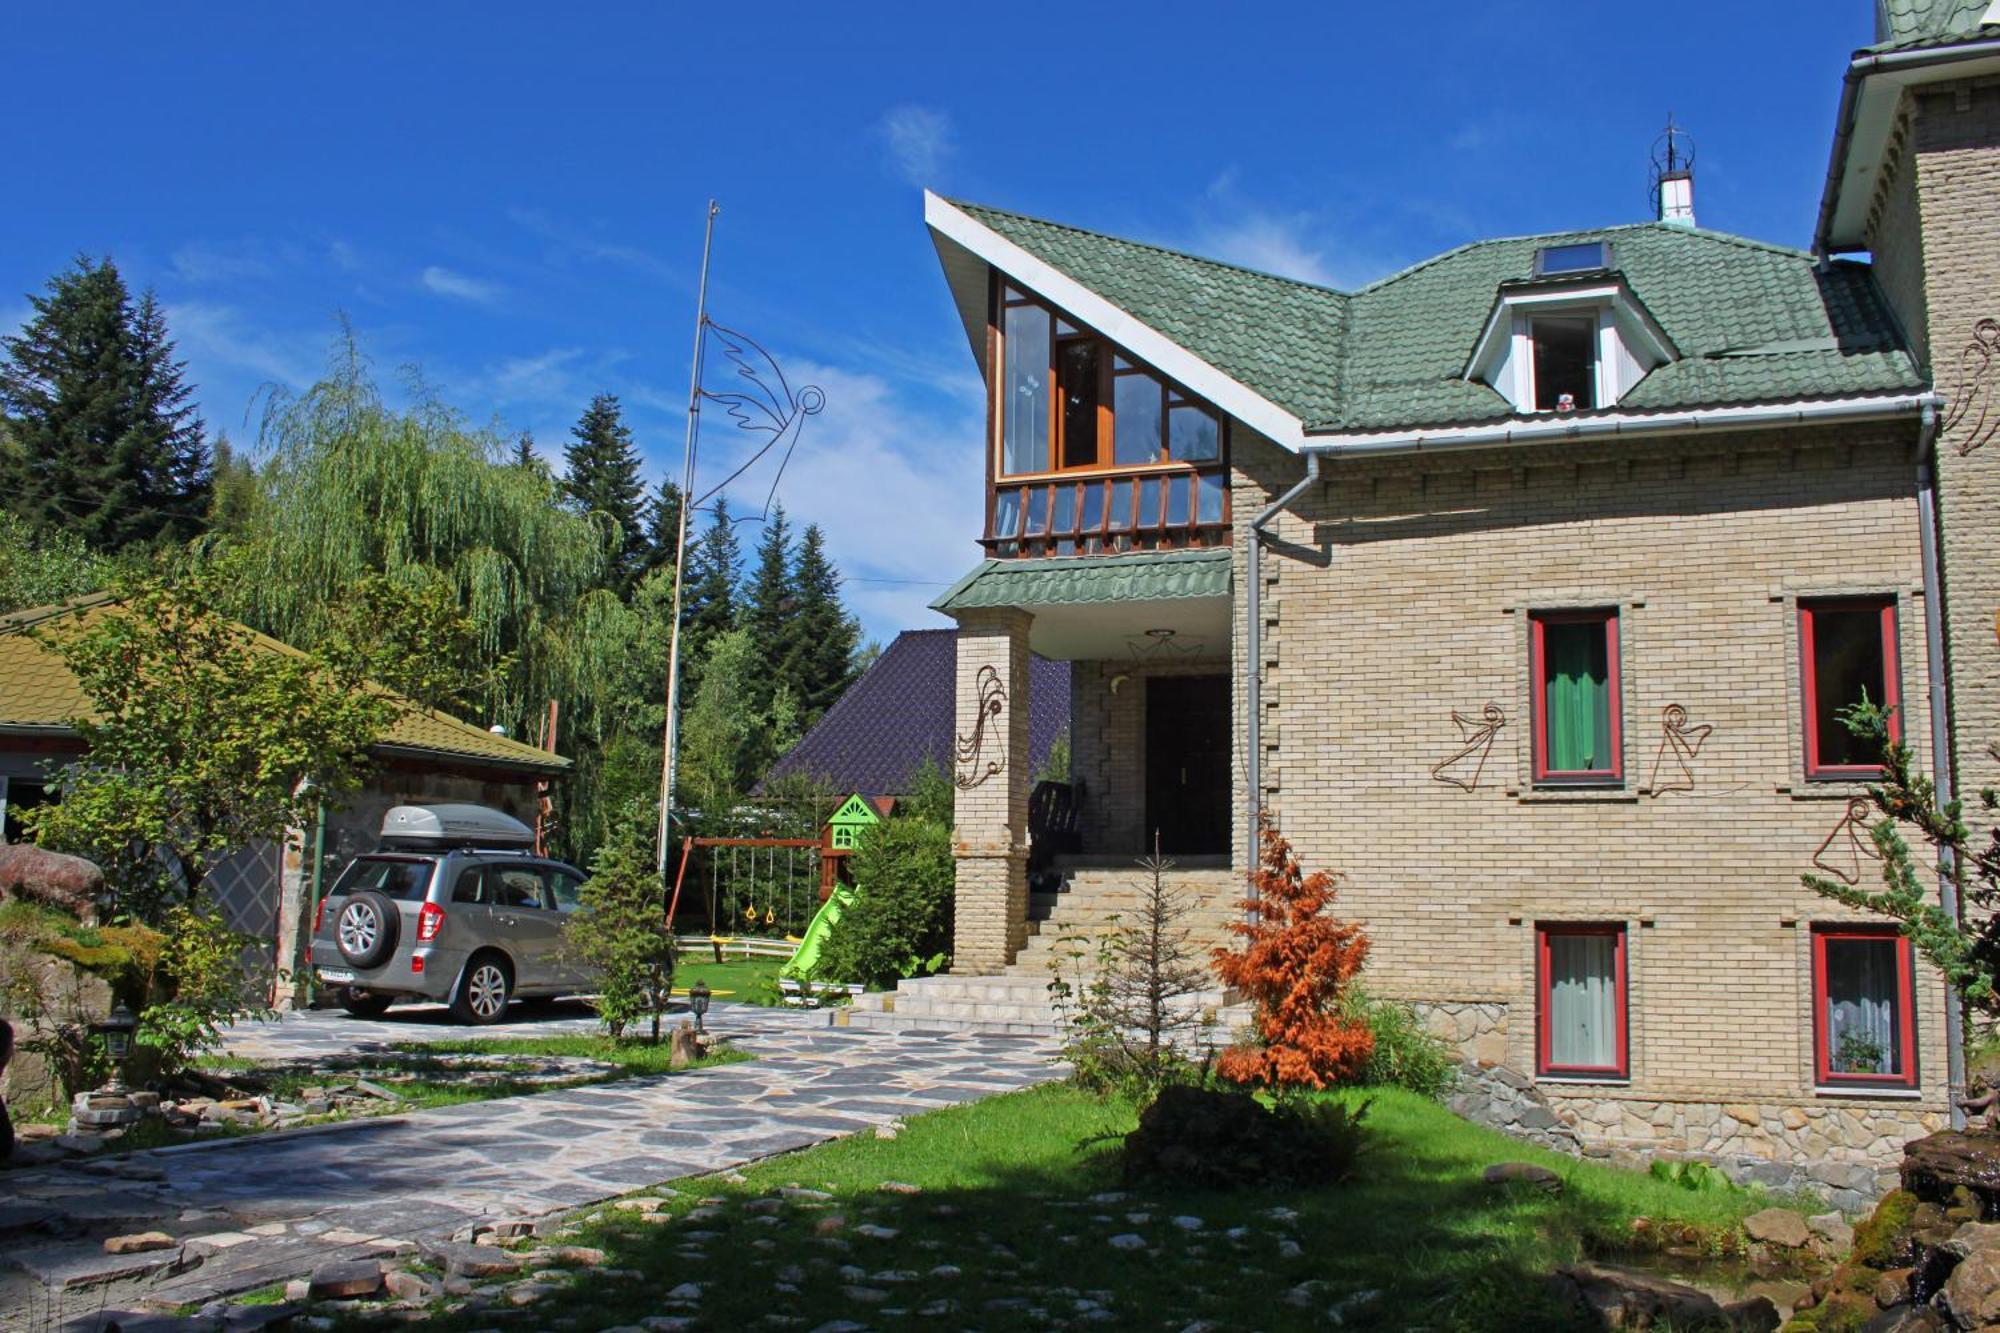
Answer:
(1861, 1006)
(1583, 1001)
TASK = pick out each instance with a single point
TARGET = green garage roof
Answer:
(1076, 580)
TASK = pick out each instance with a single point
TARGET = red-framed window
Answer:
(1580, 984)
(1847, 652)
(1574, 703)
(1864, 1008)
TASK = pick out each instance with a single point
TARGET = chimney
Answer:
(1673, 177)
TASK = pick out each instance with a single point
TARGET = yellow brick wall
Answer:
(1399, 593)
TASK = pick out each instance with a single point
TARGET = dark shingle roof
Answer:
(900, 713)
(1753, 322)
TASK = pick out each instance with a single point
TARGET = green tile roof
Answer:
(1076, 580)
(1752, 322)
(38, 694)
(1909, 24)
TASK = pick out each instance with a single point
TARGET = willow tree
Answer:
(425, 500)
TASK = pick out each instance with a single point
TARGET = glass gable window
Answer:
(1580, 1018)
(1847, 654)
(1067, 399)
(1864, 1030)
(1573, 663)
(1565, 363)
(1024, 410)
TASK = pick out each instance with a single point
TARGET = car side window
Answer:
(470, 887)
(517, 887)
(566, 888)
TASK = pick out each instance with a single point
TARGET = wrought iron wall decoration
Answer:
(1972, 401)
(1464, 766)
(1680, 743)
(765, 404)
(971, 762)
(1850, 844)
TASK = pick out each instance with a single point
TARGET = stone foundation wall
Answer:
(1847, 1150)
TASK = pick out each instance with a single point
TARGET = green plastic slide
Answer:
(806, 957)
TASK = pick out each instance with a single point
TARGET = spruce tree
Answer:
(524, 452)
(708, 593)
(106, 443)
(821, 637)
(603, 477)
(663, 520)
(769, 604)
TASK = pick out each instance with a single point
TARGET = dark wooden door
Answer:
(1187, 764)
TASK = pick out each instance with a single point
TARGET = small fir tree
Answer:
(1294, 964)
(602, 477)
(620, 929)
(1128, 1010)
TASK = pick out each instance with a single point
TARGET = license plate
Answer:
(328, 974)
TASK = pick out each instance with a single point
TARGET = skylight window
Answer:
(1584, 257)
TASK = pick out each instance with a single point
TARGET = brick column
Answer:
(991, 772)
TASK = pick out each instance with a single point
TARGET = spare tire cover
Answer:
(366, 929)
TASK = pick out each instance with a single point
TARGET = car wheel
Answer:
(484, 990)
(363, 1004)
(366, 929)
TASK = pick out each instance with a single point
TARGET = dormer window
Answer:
(1565, 362)
(1575, 344)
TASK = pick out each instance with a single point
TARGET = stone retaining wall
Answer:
(1846, 1151)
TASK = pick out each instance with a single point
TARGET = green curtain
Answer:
(1577, 700)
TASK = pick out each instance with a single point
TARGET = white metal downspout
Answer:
(1954, 1045)
(1254, 681)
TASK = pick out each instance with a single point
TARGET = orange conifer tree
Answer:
(1293, 964)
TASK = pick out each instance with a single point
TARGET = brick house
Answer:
(1522, 587)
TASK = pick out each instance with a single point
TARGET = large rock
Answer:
(1972, 1292)
(1523, 1173)
(1936, 1164)
(1778, 1226)
(67, 883)
(1631, 1300)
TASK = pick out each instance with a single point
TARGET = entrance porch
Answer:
(1152, 733)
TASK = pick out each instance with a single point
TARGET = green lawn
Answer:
(754, 980)
(1007, 1204)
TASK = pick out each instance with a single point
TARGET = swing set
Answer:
(760, 894)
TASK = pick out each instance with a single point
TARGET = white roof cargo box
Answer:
(453, 826)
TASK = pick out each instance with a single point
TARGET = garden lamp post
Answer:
(117, 1028)
(698, 1001)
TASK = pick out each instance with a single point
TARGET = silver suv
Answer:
(473, 926)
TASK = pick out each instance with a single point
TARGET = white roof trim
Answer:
(1992, 14)
(1600, 296)
(1547, 427)
(1120, 326)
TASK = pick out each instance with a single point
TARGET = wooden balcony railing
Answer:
(1153, 510)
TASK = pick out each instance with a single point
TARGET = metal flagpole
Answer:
(670, 742)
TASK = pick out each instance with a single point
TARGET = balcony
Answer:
(1157, 508)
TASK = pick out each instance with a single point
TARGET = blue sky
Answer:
(510, 197)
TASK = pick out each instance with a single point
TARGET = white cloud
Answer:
(567, 242)
(1279, 243)
(459, 287)
(344, 256)
(920, 144)
(203, 262)
(210, 335)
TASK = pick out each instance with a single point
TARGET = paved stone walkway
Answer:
(250, 1211)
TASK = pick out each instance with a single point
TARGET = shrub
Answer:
(197, 985)
(1294, 965)
(620, 929)
(1405, 1054)
(899, 924)
(1210, 1138)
